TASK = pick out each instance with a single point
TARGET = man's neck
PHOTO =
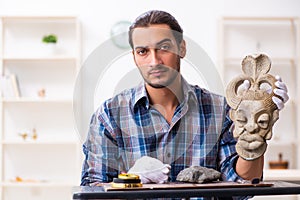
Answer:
(166, 99)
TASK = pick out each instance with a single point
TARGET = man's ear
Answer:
(182, 50)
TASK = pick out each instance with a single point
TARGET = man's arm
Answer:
(233, 167)
(249, 170)
(101, 154)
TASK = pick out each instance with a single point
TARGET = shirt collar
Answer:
(188, 92)
(141, 98)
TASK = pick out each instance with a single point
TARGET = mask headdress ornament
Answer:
(252, 110)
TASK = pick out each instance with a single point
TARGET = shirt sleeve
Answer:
(227, 152)
(101, 153)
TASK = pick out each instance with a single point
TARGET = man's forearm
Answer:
(249, 170)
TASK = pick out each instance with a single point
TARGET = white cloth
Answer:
(150, 170)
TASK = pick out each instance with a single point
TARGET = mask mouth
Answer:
(251, 141)
(251, 146)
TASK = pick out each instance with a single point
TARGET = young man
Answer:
(164, 118)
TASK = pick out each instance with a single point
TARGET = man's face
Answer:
(156, 54)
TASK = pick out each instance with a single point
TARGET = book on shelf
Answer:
(10, 87)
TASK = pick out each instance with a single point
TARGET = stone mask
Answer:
(253, 111)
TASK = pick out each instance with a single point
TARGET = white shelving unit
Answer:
(279, 39)
(49, 166)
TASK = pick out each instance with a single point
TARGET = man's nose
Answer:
(155, 58)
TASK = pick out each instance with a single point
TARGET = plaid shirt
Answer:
(126, 127)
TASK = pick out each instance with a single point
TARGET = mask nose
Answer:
(251, 127)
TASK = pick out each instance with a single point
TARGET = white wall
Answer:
(198, 18)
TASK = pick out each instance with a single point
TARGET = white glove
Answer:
(281, 91)
(245, 85)
(150, 170)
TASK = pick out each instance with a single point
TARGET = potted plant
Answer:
(50, 40)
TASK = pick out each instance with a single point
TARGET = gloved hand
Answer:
(150, 170)
(281, 91)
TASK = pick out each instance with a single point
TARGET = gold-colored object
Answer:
(128, 176)
(126, 185)
(23, 135)
(126, 181)
(19, 179)
(34, 134)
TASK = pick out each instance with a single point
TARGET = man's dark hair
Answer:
(157, 17)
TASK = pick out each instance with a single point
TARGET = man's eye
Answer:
(141, 51)
(164, 47)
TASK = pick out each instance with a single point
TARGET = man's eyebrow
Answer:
(164, 40)
(140, 47)
(158, 43)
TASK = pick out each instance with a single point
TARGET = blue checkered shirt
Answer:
(127, 127)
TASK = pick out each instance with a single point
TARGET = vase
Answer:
(50, 49)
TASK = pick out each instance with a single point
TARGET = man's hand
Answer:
(150, 170)
(280, 90)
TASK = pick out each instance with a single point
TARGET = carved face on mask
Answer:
(252, 110)
(253, 126)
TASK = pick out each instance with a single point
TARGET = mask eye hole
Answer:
(266, 86)
(263, 120)
(241, 119)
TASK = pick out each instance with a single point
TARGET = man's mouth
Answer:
(157, 72)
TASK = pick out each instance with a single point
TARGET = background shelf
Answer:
(44, 78)
(277, 37)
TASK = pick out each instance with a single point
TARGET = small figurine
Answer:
(34, 134)
(42, 92)
(280, 164)
(23, 135)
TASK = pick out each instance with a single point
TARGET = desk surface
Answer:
(278, 188)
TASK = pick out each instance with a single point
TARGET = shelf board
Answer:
(282, 175)
(290, 143)
(35, 100)
(39, 142)
(275, 59)
(36, 184)
(41, 17)
(33, 59)
(258, 18)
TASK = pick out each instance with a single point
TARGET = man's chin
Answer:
(156, 86)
